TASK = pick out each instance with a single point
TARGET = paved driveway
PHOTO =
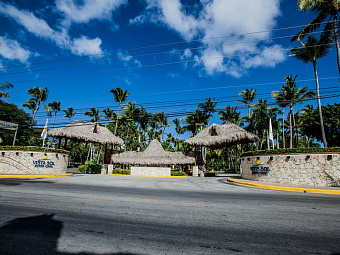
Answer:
(94, 214)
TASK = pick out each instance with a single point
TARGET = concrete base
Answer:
(195, 171)
(154, 171)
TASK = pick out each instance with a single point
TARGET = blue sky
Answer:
(158, 50)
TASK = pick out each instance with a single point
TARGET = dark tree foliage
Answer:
(311, 123)
(11, 113)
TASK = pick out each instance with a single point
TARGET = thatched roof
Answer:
(87, 132)
(221, 136)
(154, 154)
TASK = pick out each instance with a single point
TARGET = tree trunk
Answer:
(248, 112)
(336, 37)
(319, 106)
(290, 128)
(55, 114)
(35, 112)
(120, 104)
(283, 127)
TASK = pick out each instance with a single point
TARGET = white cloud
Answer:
(218, 18)
(86, 46)
(88, 10)
(127, 59)
(10, 49)
(39, 27)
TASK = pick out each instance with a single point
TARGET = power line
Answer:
(149, 54)
(159, 64)
(160, 45)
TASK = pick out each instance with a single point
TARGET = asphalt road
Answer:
(94, 214)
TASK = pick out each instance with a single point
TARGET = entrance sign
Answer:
(10, 126)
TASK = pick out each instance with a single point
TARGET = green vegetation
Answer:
(290, 151)
(121, 171)
(90, 168)
(32, 148)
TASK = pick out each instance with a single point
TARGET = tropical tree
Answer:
(162, 119)
(48, 110)
(3, 86)
(30, 104)
(142, 118)
(94, 113)
(208, 107)
(130, 112)
(293, 95)
(55, 107)
(326, 11)
(119, 95)
(69, 113)
(195, 120)
(312, 50)
(282, 100)
(179, 130)
(229, 114)
(39, 95)
(248, 96)
(108, 114)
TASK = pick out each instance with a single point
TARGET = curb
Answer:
(304, 190)
(156, 176)
(34, 175)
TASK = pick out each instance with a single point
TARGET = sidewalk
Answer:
(286, 187)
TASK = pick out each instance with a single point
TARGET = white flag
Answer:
(44, 132)
(270, 136)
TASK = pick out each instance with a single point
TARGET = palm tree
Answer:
(248, 96)
(130, 112)
(162, 119)
(69, 113)
(3, 86)
(291, 96)
(326, 10)
(94, 113)
(48, 110)
(209, 107)
(312, 50)
(55, 107)
(30, 104)
(179, 129)
(229, 115)
(40, 95)
(142, 118)
(283, 101)
(119, 96)
(108, 114)
(194, 120)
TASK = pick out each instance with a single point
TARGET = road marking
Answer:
(141, 199)
(34, 175)
(308, 190)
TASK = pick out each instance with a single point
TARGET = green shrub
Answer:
(90, 168)
(177, 173)
(121, 171)
(32, 148)
(290, 151)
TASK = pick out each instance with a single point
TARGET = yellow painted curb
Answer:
(323, 191)
(158, 176)
(34, 175)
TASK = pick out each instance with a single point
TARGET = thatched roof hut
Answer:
(154, 154)
(221, 136)
(86, 132)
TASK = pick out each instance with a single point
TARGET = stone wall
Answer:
(297, 169)
(32, 162)
(154, 171)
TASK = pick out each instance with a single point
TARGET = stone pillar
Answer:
(195, 171)
(109, 169)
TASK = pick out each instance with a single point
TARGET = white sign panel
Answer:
(8, 125)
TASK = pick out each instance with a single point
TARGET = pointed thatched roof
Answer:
(154, 154)
(221, 136)
(87, 132)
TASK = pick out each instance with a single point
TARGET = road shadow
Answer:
(16, 181)
(35, 235)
